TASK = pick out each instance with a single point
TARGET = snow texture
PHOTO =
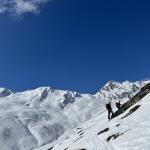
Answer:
(129, 131)
(34, 118)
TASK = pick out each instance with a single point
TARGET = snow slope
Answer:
(129, 131)
(37, 117)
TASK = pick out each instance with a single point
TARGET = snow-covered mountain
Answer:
(114, 91)
(128, 131)
(37, 117)
(5, 92)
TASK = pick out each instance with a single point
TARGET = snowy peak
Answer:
(110, 85)
(113, 85)
(5, 92)
(113, 91)
(38, 90)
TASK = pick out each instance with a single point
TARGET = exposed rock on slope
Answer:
(143, 92)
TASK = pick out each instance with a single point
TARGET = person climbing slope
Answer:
(118, 105)
(109, 109)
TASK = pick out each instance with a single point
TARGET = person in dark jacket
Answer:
(110, 112)
(118, 105)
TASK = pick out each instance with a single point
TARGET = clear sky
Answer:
(75, 44)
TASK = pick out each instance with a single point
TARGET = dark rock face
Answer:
(69, 97)
(105, 130)
(51, 148)
(114, 136)
(44, 94)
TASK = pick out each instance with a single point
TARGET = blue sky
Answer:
(74, 45)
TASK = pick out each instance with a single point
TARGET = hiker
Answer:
(118, 105)
(110, 112)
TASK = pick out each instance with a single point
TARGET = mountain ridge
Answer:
(108, 84)
(42, 115)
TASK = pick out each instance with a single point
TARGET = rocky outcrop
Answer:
(143, 92)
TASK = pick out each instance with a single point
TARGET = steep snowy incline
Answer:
(129, 131)
(34, 118)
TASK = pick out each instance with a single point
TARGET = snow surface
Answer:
(34, 118)
(133, 132)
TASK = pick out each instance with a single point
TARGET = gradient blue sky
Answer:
(76, 45)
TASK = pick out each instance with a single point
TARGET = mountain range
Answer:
(45, 117)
